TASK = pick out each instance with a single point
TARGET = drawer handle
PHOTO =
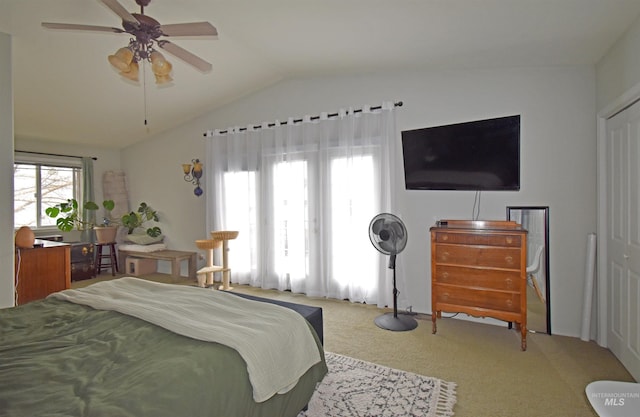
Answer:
(444, 256)
(509, 282)
(509, 239)
(509, 303)
(445, 237)
(445, 296)
(445, 275)
(85, 250)
(509, 259)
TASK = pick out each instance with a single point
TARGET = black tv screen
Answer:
(478, 155)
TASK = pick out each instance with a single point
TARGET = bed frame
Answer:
(312, 314)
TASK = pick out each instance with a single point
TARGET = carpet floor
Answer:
(355, 388)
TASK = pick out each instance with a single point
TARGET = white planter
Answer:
(106, 234)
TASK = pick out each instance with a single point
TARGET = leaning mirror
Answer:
(535, 219)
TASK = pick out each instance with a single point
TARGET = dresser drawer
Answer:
(482, 299)
(479, 239)
(492, 279)
(494, 257)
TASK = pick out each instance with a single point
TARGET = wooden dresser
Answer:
(41, 271)
(479, 268)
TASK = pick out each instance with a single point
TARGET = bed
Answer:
(88, 352)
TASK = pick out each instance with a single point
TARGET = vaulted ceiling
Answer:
(65, 90)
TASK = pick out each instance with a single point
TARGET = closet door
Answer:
(623, 240)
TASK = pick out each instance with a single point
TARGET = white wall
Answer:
(6, 174)
(558, 167)
(619, 70)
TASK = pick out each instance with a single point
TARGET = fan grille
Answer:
(388, 234)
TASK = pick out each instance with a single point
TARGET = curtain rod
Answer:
(242, 129)
(55, 154)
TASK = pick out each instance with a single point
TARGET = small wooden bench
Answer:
(174, 256)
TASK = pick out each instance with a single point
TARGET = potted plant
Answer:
(136, 220)
(69, 216)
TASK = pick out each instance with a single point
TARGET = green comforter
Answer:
(64, 359)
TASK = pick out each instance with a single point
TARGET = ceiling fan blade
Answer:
(185, 55)
(118, 9)
(189, 29)
(72, 26)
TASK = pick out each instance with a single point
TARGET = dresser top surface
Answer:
(478, 226)
(39, 243)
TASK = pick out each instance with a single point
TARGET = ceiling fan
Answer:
(146, 32)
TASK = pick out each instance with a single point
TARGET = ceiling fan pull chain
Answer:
(144, 91)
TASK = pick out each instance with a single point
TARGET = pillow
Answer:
(144, 239)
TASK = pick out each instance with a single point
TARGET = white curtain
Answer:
(302, 195)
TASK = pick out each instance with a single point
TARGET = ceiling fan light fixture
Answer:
(145, 33)
(161, 68)
(159, 65)
(163, 79)
(132, 73)
(122, 59)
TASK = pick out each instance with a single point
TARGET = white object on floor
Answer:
(614, 398)
(590, 268)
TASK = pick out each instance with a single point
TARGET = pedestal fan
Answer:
(389, 236)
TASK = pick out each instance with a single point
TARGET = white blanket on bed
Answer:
(275, 342)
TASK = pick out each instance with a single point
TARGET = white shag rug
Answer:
(355, 388)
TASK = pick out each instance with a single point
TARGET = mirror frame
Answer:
(545, 211)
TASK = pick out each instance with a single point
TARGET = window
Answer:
(302, 195)
(291, 205)
(353, 204)
(240, 210)
(291, 219)
(40, 182)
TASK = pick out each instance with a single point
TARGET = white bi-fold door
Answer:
(623, 240)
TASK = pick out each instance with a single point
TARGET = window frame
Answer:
(38, 162)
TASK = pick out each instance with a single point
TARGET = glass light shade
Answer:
(122, 59)
(159, 65)
(197, 169)
(186, 168)
(132, 74)
(163, 79)
(161, 68)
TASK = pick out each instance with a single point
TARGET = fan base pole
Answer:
(396, 323)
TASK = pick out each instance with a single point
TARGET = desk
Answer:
(174, 256)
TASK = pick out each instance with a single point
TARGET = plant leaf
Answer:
(90, 205)
(52, 211)
(108, 205)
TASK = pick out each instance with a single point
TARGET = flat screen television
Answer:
(478, 155)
